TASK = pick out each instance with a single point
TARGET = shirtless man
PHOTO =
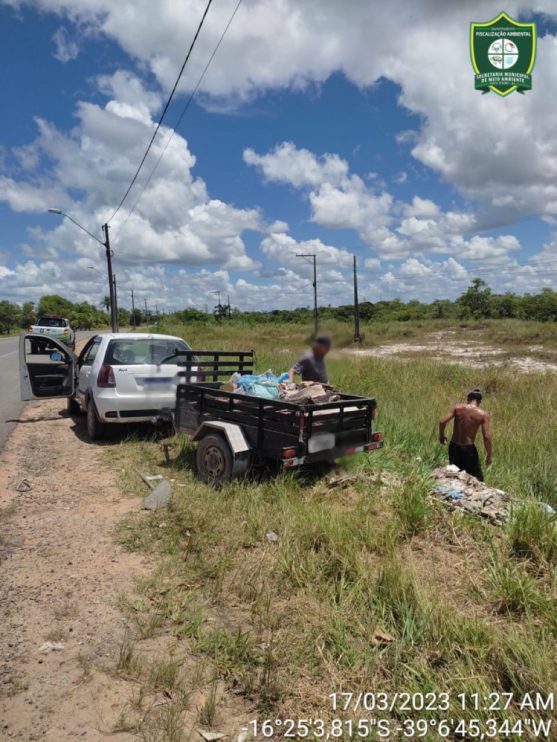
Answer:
(468, 419)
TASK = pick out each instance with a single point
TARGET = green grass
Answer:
(469, 607)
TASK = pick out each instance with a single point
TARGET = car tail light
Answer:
(377, 437)
(106, 376)
(289, 453)
(30, 329)
(65, 331)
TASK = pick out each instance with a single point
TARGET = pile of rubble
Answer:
(461, 491)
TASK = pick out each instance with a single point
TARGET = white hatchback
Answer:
(117, 378)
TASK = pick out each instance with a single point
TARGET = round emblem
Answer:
(503, 54)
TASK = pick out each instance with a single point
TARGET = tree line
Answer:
(477, 302)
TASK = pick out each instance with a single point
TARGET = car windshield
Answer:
(135, 352)
(51, 322)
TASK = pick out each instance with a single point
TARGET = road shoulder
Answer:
(62, 575)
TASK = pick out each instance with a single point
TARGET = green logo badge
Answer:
(503, 53)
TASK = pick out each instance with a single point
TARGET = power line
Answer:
(163, 112)
(179, 121)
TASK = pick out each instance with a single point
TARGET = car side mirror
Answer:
(56, 356)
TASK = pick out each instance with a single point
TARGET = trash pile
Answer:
(461, 491)
(269, 386)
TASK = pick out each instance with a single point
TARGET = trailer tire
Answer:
(215, 463)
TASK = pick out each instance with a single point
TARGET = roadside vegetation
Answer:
(370, 587)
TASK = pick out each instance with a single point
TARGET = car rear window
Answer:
(51, 322)
(137, 352)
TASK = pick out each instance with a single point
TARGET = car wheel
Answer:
(215, 464)
(74, 408)
(95, 429)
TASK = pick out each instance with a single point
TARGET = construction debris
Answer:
(461, 491)
(159, 497)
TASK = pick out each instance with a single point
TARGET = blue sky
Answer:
(347, 133)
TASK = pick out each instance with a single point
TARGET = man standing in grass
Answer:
(311, 366)
(468, 419)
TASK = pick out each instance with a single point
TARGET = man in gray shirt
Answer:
(311, 366)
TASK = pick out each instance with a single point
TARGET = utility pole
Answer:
(146, 312)
(357, 337)
(314, 257)
(133, 311)
(111, 284)
(115, 299)
(228, 306)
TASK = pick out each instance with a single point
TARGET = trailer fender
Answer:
(233, 434)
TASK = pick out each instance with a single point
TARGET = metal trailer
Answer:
(237, 431)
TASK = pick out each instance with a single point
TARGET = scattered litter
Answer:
(452, 493)
(380, 637)
(153, 478)
(461, 491)
(272, 537)
(51, 647)
(244, 736)
(384, 478)
(211, 736)
(548, 509)
(24, 486)
(343, 481)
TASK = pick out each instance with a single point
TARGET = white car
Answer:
(117, 378)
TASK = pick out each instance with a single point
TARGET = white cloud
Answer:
(298, 167)
(176, 219)
(277, 226)
(66, 47)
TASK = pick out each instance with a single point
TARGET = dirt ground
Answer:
(63, 575)
(60, 625)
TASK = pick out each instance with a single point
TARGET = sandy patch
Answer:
(443, 347)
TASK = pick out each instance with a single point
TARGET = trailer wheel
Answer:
(215, 463)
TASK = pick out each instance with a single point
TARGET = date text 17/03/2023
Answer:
(441, 702)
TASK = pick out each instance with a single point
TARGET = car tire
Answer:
(95, 429)
(215, 463)
(74, 408)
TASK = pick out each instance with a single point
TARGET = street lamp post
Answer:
(108, 252)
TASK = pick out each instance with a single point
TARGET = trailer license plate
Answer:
(321, 442)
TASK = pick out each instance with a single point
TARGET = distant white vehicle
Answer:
(52, 326)
(117, 378)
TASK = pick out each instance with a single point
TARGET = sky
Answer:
(321, 127)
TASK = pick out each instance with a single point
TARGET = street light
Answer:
(106, 245)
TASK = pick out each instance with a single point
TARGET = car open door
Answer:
(45, 376)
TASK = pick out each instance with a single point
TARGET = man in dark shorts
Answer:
(468, 419)
(311, 366)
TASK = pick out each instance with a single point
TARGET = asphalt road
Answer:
(10, 404)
